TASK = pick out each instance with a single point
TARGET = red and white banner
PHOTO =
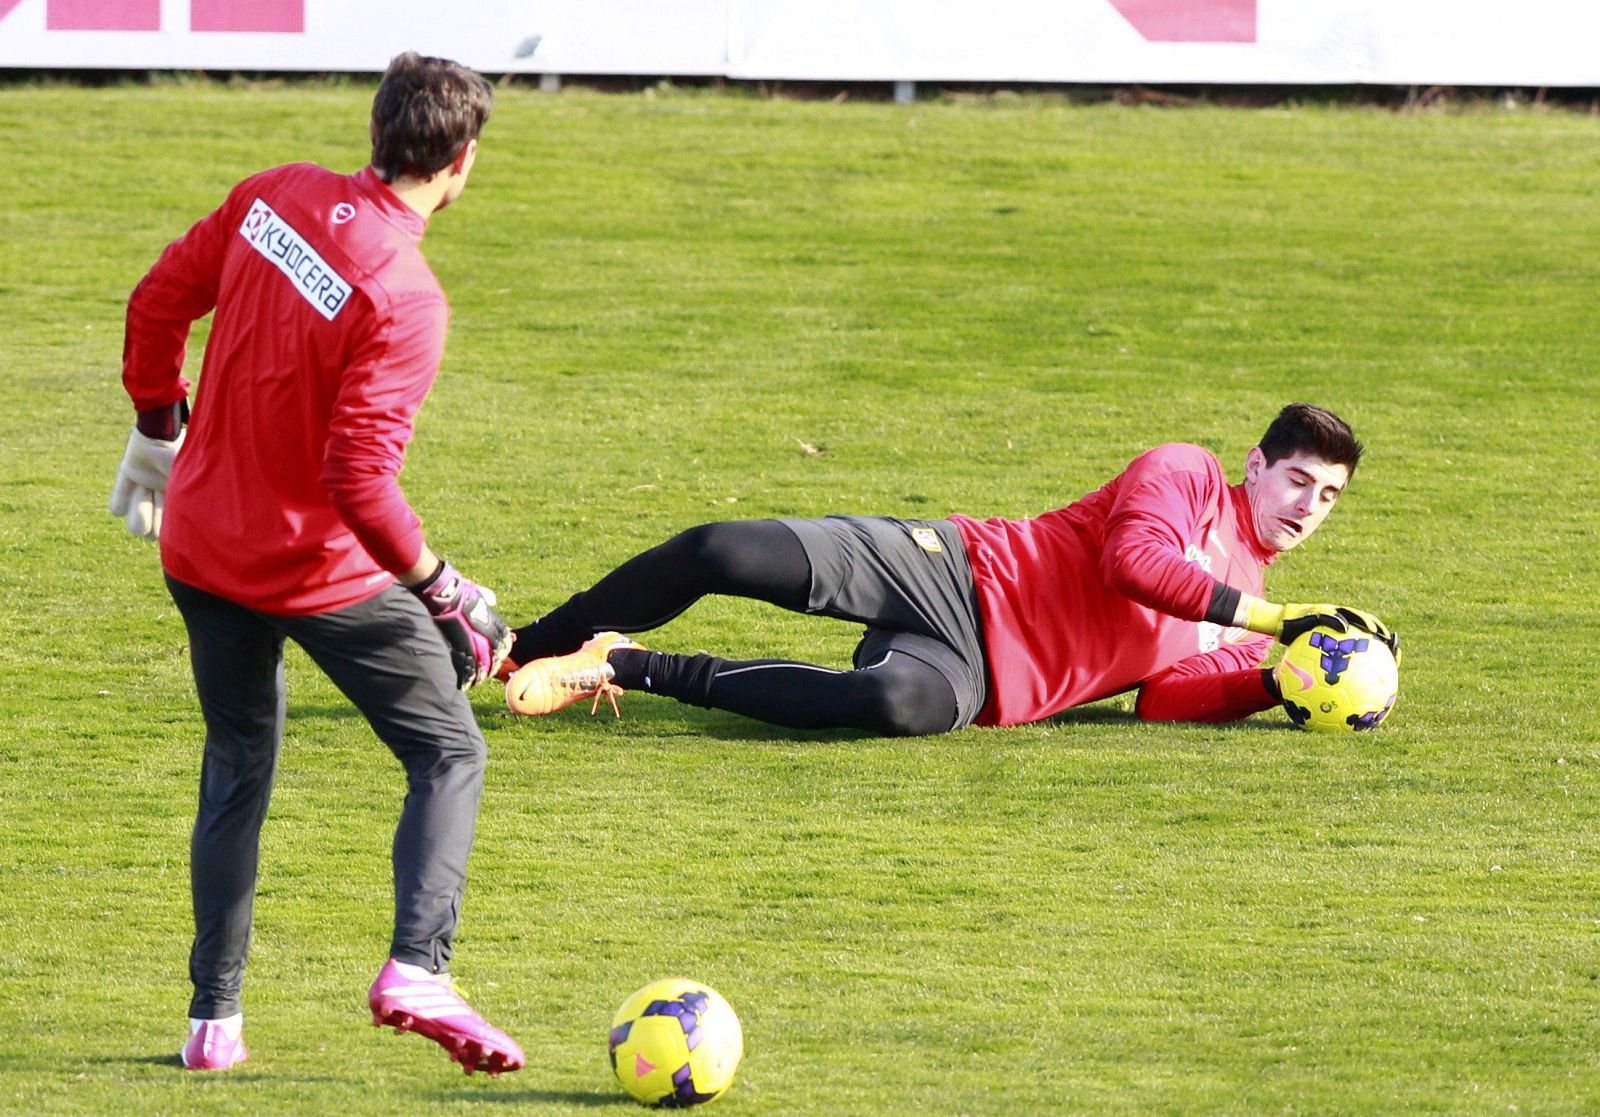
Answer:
(497, 36)
(1390, 42)
(1279, 42)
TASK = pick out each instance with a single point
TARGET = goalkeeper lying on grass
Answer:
(1152, 582)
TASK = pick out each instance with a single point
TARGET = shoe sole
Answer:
(472, 1054)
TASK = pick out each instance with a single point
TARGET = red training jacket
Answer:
(328, 332)
(1111, 593)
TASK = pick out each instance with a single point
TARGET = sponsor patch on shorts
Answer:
(277, 240)
(927, 539)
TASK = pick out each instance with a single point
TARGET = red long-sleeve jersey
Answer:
(328, 332)
(1112, 591)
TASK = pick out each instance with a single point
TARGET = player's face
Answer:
(1290, 498)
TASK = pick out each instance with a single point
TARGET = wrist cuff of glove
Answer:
(1264, 616)
(422, 587)
(1224, 604)
(164, 423)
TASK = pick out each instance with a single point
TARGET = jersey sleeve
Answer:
(378, 399)
(1164, 495)
(178, 289)
(1223, 685)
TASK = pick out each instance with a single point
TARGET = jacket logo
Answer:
(289, 252)
(343, 212)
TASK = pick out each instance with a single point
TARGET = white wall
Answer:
(1453, 42)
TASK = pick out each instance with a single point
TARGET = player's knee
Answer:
(708, 550)
(463, 754)
(471, 753)
(909, 704)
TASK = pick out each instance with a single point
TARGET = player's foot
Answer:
(508, 667)
(556, 682)
(214, 1044)
(409, 999)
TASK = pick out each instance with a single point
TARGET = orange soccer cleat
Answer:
(556, 682)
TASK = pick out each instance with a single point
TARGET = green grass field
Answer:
(663, 304)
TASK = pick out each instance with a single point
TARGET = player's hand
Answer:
(1290, 622)
(141, 486)
(464, 611)
(1359, 618)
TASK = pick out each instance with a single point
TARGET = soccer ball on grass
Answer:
(676, 1043)
(1338, 682)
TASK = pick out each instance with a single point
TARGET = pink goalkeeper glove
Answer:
(464, 612)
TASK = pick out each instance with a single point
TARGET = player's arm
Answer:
(1223, 685)
(1146, 537)
(180, 287)
(372, 422)
(1144, 559)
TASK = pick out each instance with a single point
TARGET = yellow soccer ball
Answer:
(676, 1043)
(1338, 682)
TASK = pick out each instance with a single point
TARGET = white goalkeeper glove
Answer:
(141, 486)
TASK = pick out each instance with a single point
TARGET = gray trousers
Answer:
(387, 657)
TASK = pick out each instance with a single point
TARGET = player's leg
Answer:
(386, 656)
(238, 670)
(892, 694)
(758, 559)
(901, 578)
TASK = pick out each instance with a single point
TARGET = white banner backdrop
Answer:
(686, 37)
(1400, 42)
(1390, 42)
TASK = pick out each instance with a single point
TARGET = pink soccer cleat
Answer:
(212, 1046)
(430, 1006)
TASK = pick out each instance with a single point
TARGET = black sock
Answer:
(687, 678)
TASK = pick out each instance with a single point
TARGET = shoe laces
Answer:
(593, 680)
(609, 691)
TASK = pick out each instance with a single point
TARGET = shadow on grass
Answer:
(655, 717)
(242, 1074)
(587, 1099)
(1110, 715)
(172, 1060)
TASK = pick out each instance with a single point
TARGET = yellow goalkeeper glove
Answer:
(1289, 622)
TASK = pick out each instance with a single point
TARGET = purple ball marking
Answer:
(1363, 722)
(683, 1092)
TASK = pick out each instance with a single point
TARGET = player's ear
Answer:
(464, 157)
(1254, 462)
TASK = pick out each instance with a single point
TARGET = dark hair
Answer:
(1306, 428)
(425, 111)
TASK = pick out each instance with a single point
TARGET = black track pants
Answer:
(386, 655)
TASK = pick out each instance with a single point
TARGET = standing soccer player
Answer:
(282, 517)
(1154, 582)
